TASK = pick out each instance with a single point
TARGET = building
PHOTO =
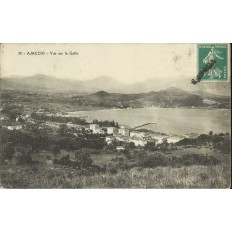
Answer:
(112, 130)
(14, 127)
(137, 134)
(123, 130)
(122, 138)
(120, 148)
(102, 132)
(72, 125)
(138, 142)
(109, 139)
(95, 128)
(52, 124)
(3, 118)
(40, 111)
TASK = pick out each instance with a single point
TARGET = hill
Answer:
(107, 92)
(43, 83)
(171, 97)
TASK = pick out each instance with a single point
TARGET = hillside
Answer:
(105, 92)
(43, 83)
(171, 97)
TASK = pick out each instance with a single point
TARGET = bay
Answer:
(177, 121)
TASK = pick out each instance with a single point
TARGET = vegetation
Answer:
(131, 168)
(106, 123)
(60, 119)
(160, 177)
(44, 141)
(12, 111)
(67, 101)
(65, 157)
(218, 141)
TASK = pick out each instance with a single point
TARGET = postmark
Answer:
(212, 62)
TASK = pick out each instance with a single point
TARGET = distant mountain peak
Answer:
(101, 94)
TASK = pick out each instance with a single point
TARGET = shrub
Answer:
(8, 152)
(198, 159)
(24, 159)
(83, 160)
(64, 160)
(154, 161)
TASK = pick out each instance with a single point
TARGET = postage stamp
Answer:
(212, 62)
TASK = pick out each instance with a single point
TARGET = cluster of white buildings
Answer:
(122, 130)
(121, 134)
(139, 138)
(95, 128)
(134, 137)
(15, 127)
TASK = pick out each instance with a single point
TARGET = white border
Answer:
(118, 21)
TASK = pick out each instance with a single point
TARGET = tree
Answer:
(25, 159)
(56, 150)
(164, 144)
(210, 133)
(8, 151)
(151, 146)
(12, 111)
(130, 145)
(63, 130)
(83, 160)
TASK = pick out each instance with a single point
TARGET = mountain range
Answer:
(170, 97)
(44, 83)
(104, 92)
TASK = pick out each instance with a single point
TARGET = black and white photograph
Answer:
(106, 116)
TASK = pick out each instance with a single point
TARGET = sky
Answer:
(125, 62)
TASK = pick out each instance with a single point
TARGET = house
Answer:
(122, 138)
(15, 127)
(25, 116)
(112, 130)
(3, 118)
(102, 132)
(137, 134)
(124, 130)
(52, 124)
(40, 111)
(138, 142)
(109, 139)
(71, 125)
(95, 128)
(120, 148)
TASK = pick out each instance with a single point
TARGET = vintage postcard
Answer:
(115, 116)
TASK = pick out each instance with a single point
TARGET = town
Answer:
(111, 132)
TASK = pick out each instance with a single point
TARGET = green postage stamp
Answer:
(212, 62)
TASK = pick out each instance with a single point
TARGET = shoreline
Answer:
(147, 108)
